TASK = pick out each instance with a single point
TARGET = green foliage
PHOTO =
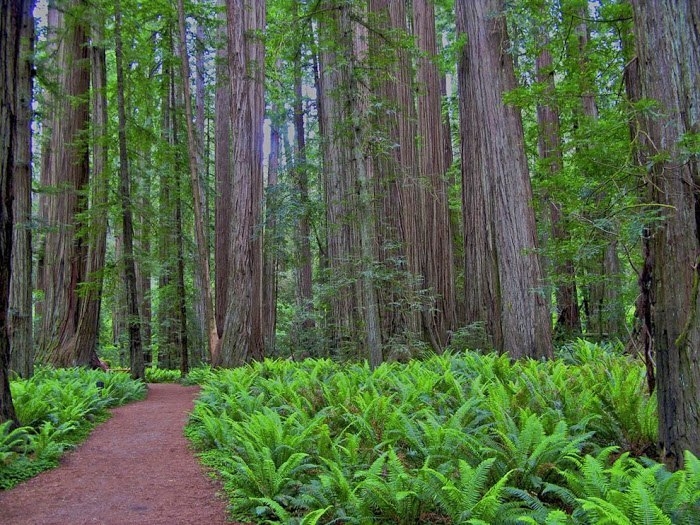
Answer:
(456, 438)
(57, 409)
(162, 375)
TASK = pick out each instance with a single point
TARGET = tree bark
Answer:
(223, 169)
(668, 48)
(20, 310)
(549, 147)
(502, 270)
(436, 238)
(200, 226)
(242, 338)
(133, 320)
(11, 13)
(65, 251)
(84, 341)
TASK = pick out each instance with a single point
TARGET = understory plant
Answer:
(459, 438)
(57, 409)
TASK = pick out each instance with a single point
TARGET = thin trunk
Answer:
(200, 227)
(502, 266)
(271, 248)
(668, 48)
(549, 149)
(11, 15)
(133, 320)
(301, 178)
(20, 311)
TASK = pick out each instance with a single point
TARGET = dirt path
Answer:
(134, 469)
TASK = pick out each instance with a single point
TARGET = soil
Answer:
(136, 468)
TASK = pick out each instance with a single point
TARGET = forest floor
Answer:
(136, 468)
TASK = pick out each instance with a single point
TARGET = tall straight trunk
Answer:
(501, 264)
(549, 147)
(351, 232)
(436, 239)
(223, 169)
(133, 320)
(86, 335)
(64, 250)
(143, 270)
(270, 248)
(242, 338)
(53, 22)
(366, 212)
(395, 182)
(606, 316)
(200, 226)
(304, 294)
(668, 48)
(20, 310)
(172, 332)
(11, 14)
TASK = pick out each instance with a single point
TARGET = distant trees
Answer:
(668, 55)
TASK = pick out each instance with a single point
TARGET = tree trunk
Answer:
(65, 251)
(133, 320)
(84, 342)
(20, 310)
(200, 226)
(271, 248)
(396, 185)
(304, 292)
(242, 338)
(11, 15)
(549, 147)
(436, 239)
(223, 169)
(502, 270)
(668, 48)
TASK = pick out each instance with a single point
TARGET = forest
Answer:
(195, 183)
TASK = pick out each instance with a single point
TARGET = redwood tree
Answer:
(242, 337)
(502, 269)
(64, 251)
(668, 54)
(10, 23)
(20, 314)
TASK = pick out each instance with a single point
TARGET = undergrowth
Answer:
(457, 438)
(57, 409)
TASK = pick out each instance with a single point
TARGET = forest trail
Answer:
(135, 468)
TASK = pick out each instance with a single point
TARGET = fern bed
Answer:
(457, 438)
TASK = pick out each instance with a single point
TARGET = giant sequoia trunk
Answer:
(242, 338)
(20, 313)
(64, 250)
(502, 270)
(10, 22)
(668, 47)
